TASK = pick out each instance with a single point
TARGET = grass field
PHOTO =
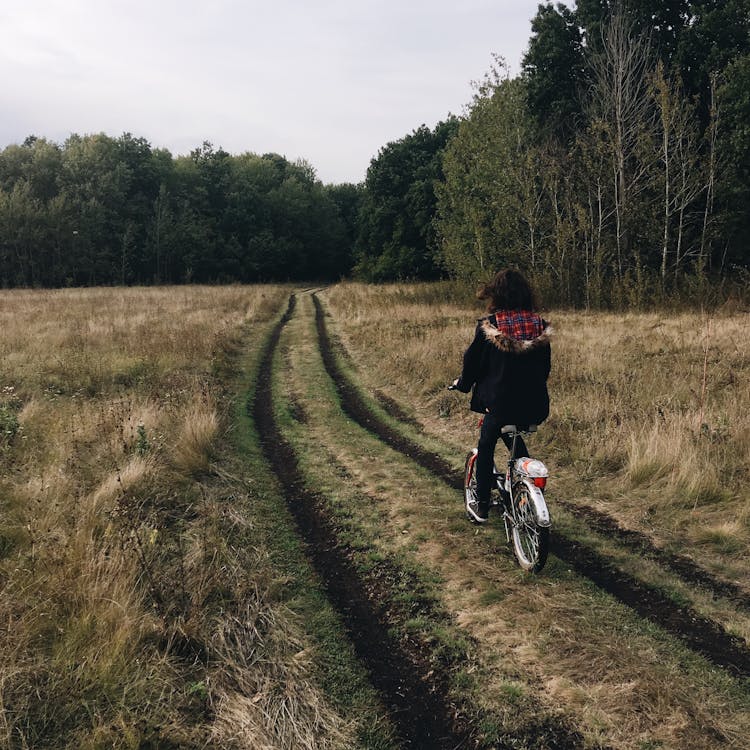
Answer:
(155, 590)
(141, 603)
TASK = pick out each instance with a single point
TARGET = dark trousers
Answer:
(488, 438)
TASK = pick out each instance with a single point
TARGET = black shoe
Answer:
(478, 512)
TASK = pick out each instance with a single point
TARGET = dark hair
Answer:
(509, 290)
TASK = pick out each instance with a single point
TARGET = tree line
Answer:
(615, 168)
(102, 210)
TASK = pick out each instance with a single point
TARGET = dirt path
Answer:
(697, 632)
(421, 709)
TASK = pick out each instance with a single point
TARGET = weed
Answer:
(646, 471)
(193, 451)
(199, 689)
(142, 445)
(9, 424)
(512, 692)
(724, 539)
(11, 538)
(416, 624)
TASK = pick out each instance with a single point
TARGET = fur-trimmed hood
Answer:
(505, 342)
(506, 367)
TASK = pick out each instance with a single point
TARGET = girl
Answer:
(506, 368)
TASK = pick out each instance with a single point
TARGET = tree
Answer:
(717, 33)
(396, 238)
(21, 226)
(662, 22)
(36, 216)
(622, 118)
(148, 171)
(114, 210)
(681, 172)
(733, 185)
(553, 68)
(347, 198)
(95, 182)
(489, 204)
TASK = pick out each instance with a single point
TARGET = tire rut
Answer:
(418, 702)
(682, 566)
(699, 633)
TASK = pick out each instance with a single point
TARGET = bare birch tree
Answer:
(621, 112)
(680, 167)
(711, 136)
(594, 212)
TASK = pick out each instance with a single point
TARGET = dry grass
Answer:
(128, 616)
(134, 612)
(198, 431)
(268, 705)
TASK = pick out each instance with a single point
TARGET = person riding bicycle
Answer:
(506, 367)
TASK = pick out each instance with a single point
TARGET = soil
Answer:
(697, 632)
(394, 409)
(354, 407)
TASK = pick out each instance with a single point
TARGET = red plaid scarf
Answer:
(521, 325)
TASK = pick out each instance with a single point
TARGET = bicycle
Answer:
(521, 491)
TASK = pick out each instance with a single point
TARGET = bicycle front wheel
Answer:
(530, 540)
(470, 478)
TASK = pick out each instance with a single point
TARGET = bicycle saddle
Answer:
(510, 428)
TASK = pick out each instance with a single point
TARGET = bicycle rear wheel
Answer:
(530, 540)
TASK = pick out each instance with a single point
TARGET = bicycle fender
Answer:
(540, 505)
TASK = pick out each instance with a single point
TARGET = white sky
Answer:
(330, 81)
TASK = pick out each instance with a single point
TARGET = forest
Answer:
(615, 168)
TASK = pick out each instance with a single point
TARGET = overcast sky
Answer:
(331, 81)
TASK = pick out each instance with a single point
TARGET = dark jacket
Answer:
(507, 365)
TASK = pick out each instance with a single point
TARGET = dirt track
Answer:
(416, 693)
(697, 632)
(420, 707)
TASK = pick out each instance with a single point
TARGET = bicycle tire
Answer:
(530, 540)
